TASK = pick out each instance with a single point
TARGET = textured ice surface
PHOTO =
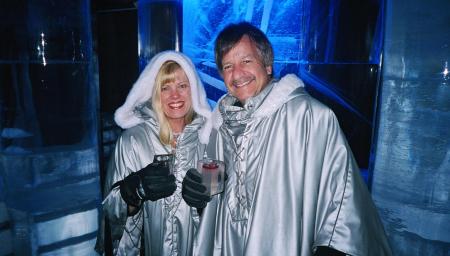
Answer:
(203, 20)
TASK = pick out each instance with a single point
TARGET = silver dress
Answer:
(293, 183)
(167, 224)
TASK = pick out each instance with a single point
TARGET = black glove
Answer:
(193, 191)
(128, 189)
(150, 183)
(327, 251)
(157, 182)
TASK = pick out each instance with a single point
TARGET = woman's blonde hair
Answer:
(166, 74)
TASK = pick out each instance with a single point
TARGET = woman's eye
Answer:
(184, 86)
(165, 88)
(247, 61)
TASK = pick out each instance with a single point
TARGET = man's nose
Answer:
(237, 71)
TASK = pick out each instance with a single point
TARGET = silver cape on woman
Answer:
(165, 226)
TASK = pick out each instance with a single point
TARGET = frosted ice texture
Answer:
(203, 20)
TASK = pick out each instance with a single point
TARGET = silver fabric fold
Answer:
(293, 183)
(168, 224)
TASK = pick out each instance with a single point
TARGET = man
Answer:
(293, 186)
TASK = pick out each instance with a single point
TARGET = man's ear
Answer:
(269, 70)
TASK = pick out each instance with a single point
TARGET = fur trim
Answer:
(277, 97)
(126, 116)
(216, 118)
(279, 94)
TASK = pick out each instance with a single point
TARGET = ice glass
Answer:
(165, 160)
(213, 174)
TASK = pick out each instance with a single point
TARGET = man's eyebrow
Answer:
(250, 55)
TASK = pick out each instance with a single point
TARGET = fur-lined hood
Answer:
(127, 115)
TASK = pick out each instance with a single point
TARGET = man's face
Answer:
(243, 70)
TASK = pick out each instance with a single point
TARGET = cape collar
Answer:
(264, 104)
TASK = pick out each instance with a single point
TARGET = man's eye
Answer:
(247, 61)
(226, 67)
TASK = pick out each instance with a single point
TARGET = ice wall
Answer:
(202, 21)
(412, 166)
(160, 25)
(48, 129)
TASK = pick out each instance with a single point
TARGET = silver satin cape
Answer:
(293, 183)
(168, 224)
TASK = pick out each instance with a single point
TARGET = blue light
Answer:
(333, 46)
(203, 19)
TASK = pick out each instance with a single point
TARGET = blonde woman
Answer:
(166, 112)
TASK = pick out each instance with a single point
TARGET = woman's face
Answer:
(176, 97)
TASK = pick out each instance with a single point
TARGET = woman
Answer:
(165, 112)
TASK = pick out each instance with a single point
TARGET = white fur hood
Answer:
(126, 116)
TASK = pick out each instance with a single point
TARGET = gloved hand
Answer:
(128, 189)
(150, 183)
(193, 191)
(327, 251)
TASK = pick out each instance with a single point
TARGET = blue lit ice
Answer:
(203, 19)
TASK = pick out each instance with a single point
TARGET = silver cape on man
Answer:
(293, 183)
(166, 226)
